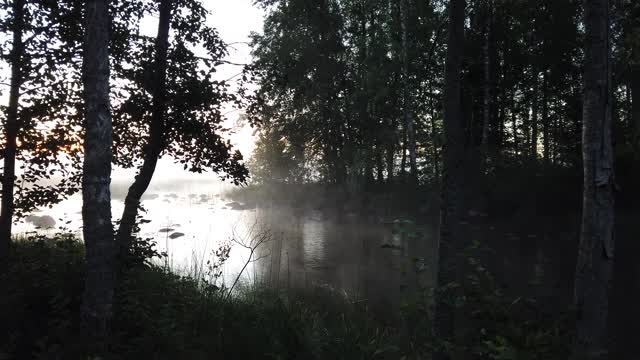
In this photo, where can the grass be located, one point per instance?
(161, 315)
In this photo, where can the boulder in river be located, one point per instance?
(43, 222)
(150, 196)
(176, 235)
(238, 206)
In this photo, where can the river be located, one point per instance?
(366, 259)
(380, 261)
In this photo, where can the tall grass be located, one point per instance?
(162, 315)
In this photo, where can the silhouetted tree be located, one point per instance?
(181, 117)
(11, 128)
(633, 40)
(156, 131)
(406, 93)
(596, 250)
(47, 104)
(451, 236)
(97, 306)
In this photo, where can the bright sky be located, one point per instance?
(234, 20)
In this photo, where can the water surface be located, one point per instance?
(373, 259)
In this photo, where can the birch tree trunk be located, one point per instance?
(96, 197)
(11, 131)
(453, 173)
(596, 249)
(155, 144)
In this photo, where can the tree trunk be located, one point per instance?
(629, 108)
(635, 79)
(555, 131)
(403, 161)
(546, 136)
(390, 161)
(487, 86)
(406, 92)
(635, 106)
(501, 101)
(596, 249)
(434, 140)
(96, 197)
(534, 116)
(11, 130)
(526, 129)
(514, 123)
(379, 165)
(451, 237)
(155, 145)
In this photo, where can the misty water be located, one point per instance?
(370, 259)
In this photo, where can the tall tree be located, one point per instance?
(43, 119)
(451, 236)
(487, 85)
(180, 118)
(634, 41)
(635, 100)
(596, 249)
(154, 147)
(409, 125)
(96, 197)
(546, 126)
(11, 129)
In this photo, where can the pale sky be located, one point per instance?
(234, 20)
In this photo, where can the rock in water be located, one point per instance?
(176, 235)
(43, 222)
(150, 197)
(238, 206)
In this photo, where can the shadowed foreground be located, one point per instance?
(160, 315)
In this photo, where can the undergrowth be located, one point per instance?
(162, 315)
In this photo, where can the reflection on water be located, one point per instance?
(313, 242)
(367, 258)
(348, 253)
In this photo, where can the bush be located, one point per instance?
(161, 315)
(498, 326)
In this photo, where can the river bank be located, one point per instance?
(162, 315)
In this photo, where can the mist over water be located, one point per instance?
(190, 217)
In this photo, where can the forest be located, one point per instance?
(426, 179)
